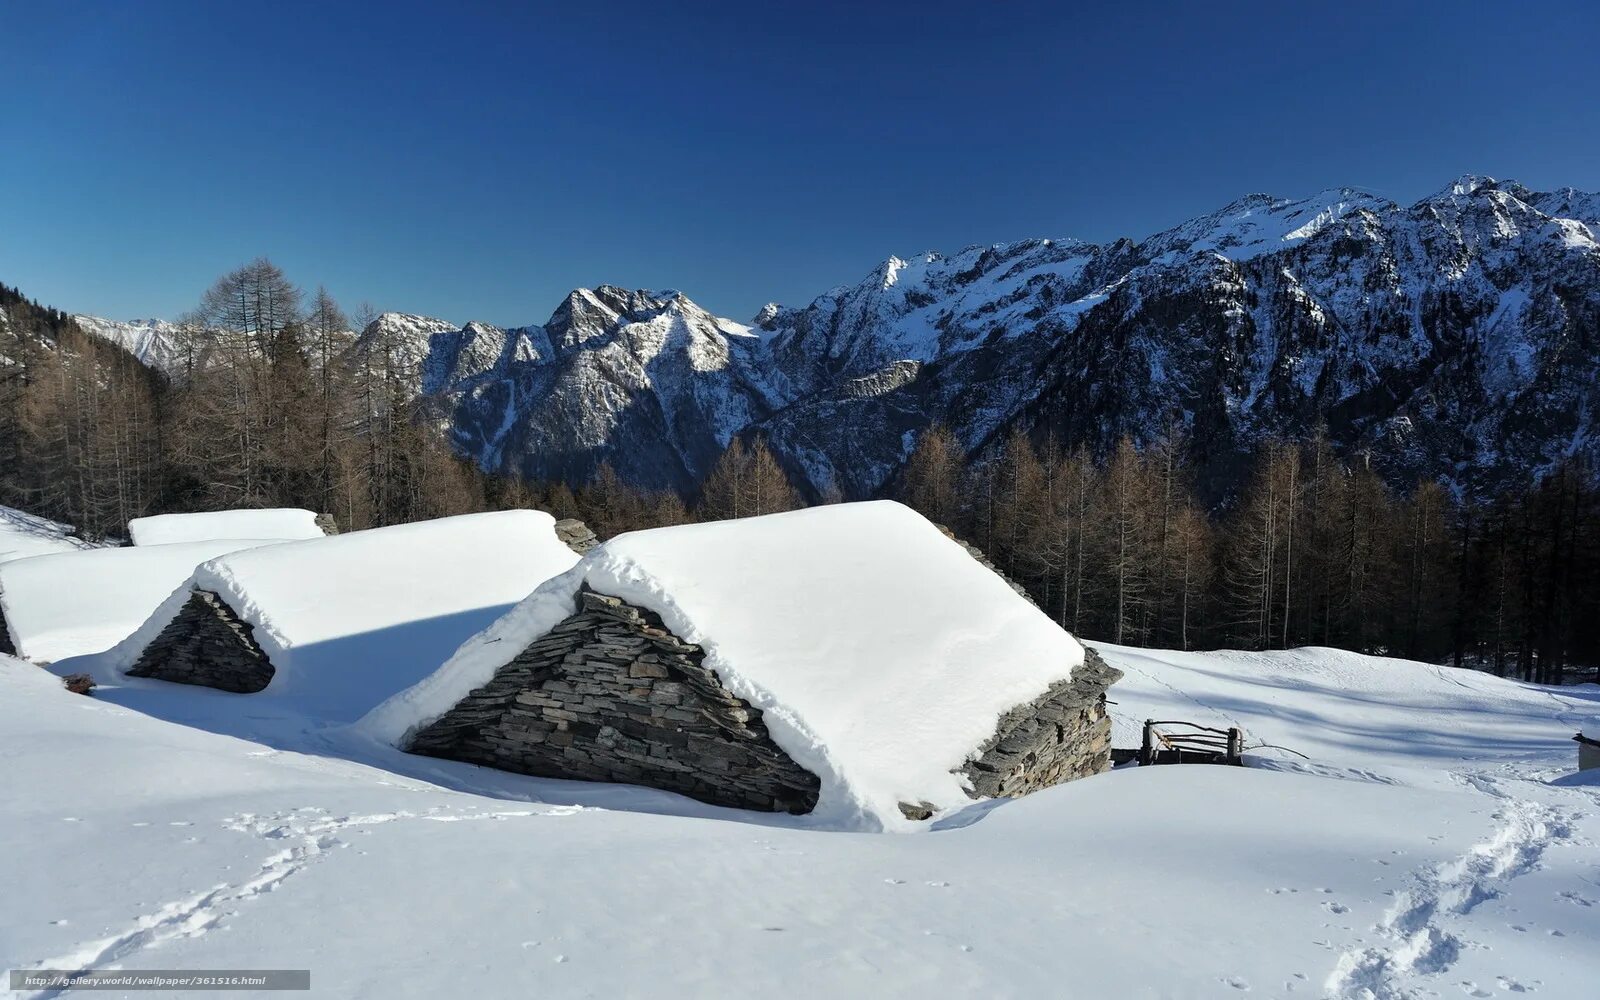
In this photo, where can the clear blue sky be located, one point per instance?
(477, 161)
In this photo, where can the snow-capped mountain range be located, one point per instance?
(1456, 337)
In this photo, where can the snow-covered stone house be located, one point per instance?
(335, 625)
(277, 523)
(81, 602)
(848, 660)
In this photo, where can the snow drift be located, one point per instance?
(77, 603)
(282, 523)
(348, 620)
(881, 653)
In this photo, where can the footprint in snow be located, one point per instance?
(1471, 989)
(894, 881)
(1336, 907)
(939, 885)
(1237, 982)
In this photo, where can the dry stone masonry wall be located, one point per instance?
(1061, 735)
(611, 695)
(206, 644)
(575, 535)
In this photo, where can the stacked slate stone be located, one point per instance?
(611, 695)
(575, 535)
(1061, 735)
(206, 644)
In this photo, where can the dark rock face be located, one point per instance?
(206, 644)
(611, 695)
(6, 645)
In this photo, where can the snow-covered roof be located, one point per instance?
(350, 619)
(282, 523)
(77, 603)
(880, 652)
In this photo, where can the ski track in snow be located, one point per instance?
(312, 835)
(1425, 931)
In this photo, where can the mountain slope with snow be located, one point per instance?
(153, 341)
(1455, 338)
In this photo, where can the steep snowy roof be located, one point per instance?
(350, 619)
(283, 523)
(881, 653)
(77, 603)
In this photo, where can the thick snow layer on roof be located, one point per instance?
(881, 653)
(77, 603)
(23, 535)
(350, 619)
(284, 523)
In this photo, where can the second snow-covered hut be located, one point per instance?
(334, 625)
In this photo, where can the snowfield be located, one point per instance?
(1434, 844)
(82, 602)
(896, 665)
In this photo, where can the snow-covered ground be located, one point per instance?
(23, 535)
(1435, 844)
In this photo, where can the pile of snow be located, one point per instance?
(282, 523)
(881, 653)
(349, 620)
(78, 603)
(23, 535)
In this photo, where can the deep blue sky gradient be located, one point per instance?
(476, 161)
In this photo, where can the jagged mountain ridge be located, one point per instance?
(1455, 337)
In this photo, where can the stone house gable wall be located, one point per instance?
(611, 695)
(206, 644)
(1061, 735)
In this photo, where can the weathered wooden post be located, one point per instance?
(1235, 745)
(1147, 752)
